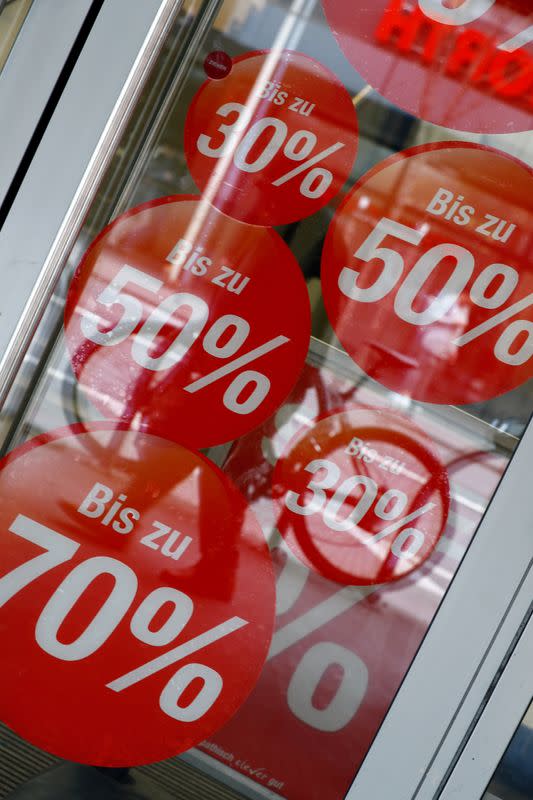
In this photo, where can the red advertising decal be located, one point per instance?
(427, 276)
(266, 144)
(464, 64)
(186, 323)
(362, 497)
(339, 653)
(133, 573)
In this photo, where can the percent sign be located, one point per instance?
(243, 142)
(223, 339)
(491, 289)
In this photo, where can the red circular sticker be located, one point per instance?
(267, 145)
(363, 498)
(427, 276)
(465, 64)
(136, 596)
(186, 323)
(218, 65)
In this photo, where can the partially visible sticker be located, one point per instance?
(340, 653)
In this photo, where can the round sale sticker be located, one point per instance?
(186, 323)
(427, 276)
(136, 596)
(273, 141)
(465, 64)
(362, 497)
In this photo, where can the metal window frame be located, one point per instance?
(30, 74)
(467, 643)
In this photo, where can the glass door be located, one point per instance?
(283, 374)
(32, 76)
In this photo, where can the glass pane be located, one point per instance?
(513, 779)
(12, 15)
(367, 455)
